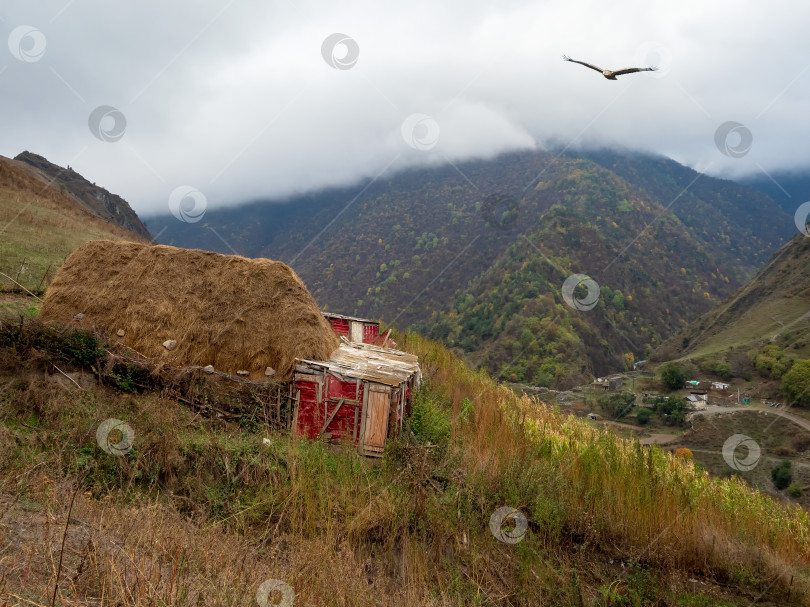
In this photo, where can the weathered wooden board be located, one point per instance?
(376, 427)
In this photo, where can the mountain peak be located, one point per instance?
(94, 198)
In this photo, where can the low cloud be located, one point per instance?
(240, 103)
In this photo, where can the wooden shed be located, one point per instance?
(361, 395)
(357, 330)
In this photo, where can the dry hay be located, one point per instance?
(228, 311)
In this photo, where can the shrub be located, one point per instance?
(430, 420)
(781, 475)
(617, 405)
(684, 453)
(80, 347)
(741, 366)
(794, 490)
(672, 410)
(672, 376)
(643, 416)
(796, 383)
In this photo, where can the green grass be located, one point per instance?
(756, 326)
(39, 232)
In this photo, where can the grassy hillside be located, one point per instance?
(416, 246)
(40, 226)
(93, 197)
(769, 317)
(201, 511)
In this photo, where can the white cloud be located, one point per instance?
(236, 100)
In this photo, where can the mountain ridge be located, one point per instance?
(407, 246)
(98, 200)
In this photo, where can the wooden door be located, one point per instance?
(356, 334)
(376, 419)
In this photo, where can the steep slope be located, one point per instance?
(417, 243)
(41, 225)
(788, 190)
(773, 308)
(718, 211)
(108, 206)
(489, 498)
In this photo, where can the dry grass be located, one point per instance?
(224, 310)
(648, 504)
(40, 226)
(201, 512)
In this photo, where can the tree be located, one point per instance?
(617, 405)
(794, 490)
(672, 376)
(781, 475)
(643, 416)
(796, 383)
(684, 453)
(628, 359)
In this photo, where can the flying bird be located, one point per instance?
(611, 75)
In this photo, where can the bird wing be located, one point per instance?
(593, 67)
(633, 70)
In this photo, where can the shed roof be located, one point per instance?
(363, 320)
(366, 361)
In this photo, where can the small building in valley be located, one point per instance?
(697, 399)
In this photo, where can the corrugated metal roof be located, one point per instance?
(366, 361)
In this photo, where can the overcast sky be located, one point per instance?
(251, 99)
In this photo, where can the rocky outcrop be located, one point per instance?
(96, 199)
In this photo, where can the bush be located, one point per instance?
(796, 383)
(671, 410)
(673, 377)
(430, 419)
(781, 475)
(794, 490)
(643, 416)
(617, 405)
(684, 453)
(80, 347)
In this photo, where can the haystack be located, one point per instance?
(223, 310)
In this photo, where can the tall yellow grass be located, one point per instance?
(201, 512)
